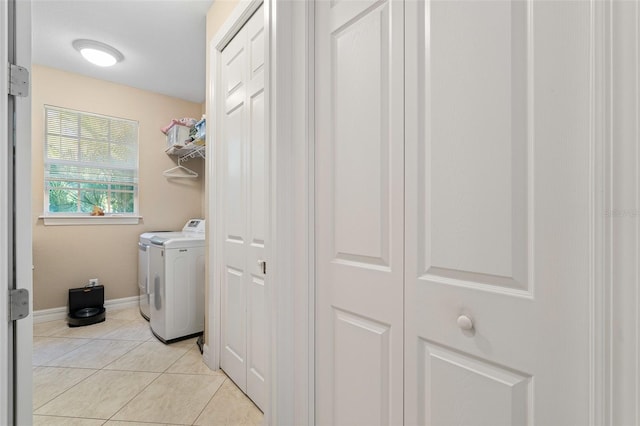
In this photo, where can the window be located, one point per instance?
(91, 161)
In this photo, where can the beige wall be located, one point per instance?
(218, 14)
(216, 17)
(67, 256)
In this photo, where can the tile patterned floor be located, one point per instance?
(117, 373)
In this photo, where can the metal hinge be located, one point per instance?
(18, 80)
(18, 304)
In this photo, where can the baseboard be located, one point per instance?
(53, 314)
(206, 357)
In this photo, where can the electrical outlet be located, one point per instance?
(93, 282)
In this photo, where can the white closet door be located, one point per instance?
(359, 212)
(234, 207)
(243, 194)
(257, 213)
(498, 218)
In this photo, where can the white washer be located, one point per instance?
(143, 266)
(143, 273)
(176, 284)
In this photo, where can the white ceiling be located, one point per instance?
(163, 41)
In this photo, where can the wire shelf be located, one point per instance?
(186, 153)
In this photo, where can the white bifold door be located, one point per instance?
(359, 212)
(453, 208)
(242, 198)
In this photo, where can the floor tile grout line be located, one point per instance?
(66, 390)
(150, 383)
(70, 417)
(60, 366)
(187, 347)
(135, 396)
(125, 404)
(98, 368)
(65, 354)
(62, 337)
(108, 364)
(71, 350)
(141, 343)
(95, 370)
(209, 401)
(174, 362)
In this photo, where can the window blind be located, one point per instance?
(90, 160)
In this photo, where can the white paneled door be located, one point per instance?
(453, 212)
(243, 193)
(498, 187)
(359, 212)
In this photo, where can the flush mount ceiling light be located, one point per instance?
(97, 53)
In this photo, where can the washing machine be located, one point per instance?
(144, 242)
(143, 273)
(176, 282)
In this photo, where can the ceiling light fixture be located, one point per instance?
(97, 53)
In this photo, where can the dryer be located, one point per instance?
(176, 284)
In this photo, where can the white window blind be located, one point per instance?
(91, 161)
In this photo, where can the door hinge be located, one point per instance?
(18, 80)
(18, 304)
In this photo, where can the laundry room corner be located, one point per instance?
(68, 256)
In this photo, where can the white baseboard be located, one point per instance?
(53, 314)
(207, 358)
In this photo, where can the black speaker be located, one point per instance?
(86, 306)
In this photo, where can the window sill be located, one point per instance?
(90, 220)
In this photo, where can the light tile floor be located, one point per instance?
(117, 373)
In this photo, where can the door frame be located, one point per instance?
(617, 193)
(23, 366)
(599, 311)
(5, 374)
(15, 360)
(289, 254)
(292, 315)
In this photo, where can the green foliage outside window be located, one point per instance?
(90, 161)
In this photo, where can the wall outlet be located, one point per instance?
(93, 282)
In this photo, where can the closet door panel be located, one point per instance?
(256, 215)
(476, 138)
(360, 140)
(359, 212)
(233, 192)
(497, 217)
